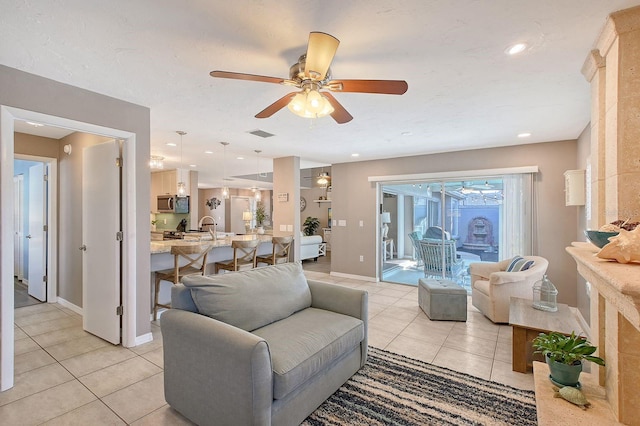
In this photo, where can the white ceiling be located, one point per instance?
(464, 91)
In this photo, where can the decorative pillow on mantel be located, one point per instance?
(519, 263)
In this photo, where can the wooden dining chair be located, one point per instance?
(244, 256)
(280, 253)
(196, 261)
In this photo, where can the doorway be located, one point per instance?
(31, 223)
(128, 312)
(439, 226)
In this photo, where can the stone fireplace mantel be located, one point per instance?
(615, 327)
(618, 283)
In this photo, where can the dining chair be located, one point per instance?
(280, 253)
(195, 256)
(244, 256)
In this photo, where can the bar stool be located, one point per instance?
(280, 254)
(196, 257)
(244, 256)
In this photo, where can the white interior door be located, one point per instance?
(18, 227)
(36, 237)
(101, 249)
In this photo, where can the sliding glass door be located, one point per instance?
(437, 228)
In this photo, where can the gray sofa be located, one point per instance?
(260, 347)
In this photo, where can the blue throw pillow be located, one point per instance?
(519, 263)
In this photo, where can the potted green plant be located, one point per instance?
(564, 355)
(311, 224)
(260, 217)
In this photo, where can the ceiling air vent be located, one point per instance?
(261, 133)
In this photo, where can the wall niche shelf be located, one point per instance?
(321, 201)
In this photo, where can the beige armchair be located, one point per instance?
(492, 286)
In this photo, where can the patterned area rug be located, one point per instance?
(394, 390)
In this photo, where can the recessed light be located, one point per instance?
(239, 158)
(524, 135)
(35, 124)
(355, 154)
(192, 165)
(516, 48)
(208, 152)
(171, 144)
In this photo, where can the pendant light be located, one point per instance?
(225, 188)
(257, 195)
(156, 162)
(182, 187)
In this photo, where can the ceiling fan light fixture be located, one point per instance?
(310, 103)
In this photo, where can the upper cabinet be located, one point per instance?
(166, 183)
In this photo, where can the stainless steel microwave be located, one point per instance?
(173, 204)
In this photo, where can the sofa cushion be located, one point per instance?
(306, 343)
(251, 299)
(518, 264)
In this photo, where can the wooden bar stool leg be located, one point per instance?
(155, 299)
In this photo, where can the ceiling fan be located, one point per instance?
(311, 74)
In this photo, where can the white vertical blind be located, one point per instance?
(517, 216)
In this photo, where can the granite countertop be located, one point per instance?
(205, 238)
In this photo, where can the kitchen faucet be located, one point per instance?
(201, 223)
(213, 232)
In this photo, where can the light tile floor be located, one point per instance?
(67, 376)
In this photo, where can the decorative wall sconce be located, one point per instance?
(67, 149)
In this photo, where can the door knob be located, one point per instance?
(28, 236)
(83, 247)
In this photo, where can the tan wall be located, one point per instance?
(354, 199)
(35, 145)
(70, 215)
(33, 93)
(319, 210)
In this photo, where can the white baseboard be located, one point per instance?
(69, 305)
(354, 277)
(145, 338)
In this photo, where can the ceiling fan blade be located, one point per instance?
(276, 106)
(320, 52)
(339, 114)
(388, 87)
(250, 77)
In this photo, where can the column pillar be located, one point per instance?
(286, 200)
(594, 71)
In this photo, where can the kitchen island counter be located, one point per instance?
(197, 238)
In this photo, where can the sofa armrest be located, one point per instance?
(498, 278)
(483, 270)
(209, 363)
(342, 300)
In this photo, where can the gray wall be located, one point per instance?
(34, 93)
(354, 199)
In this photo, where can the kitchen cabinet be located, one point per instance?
(166, 183)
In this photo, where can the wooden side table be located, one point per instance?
(528, 322)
